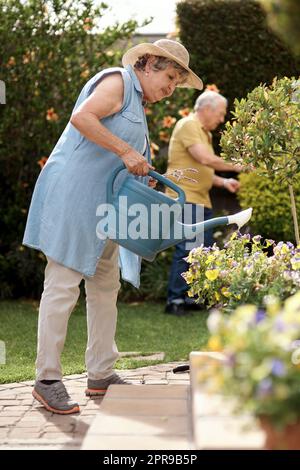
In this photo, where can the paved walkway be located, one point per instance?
(25, 424)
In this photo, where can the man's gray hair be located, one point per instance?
(209, 98)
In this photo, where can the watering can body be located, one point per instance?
(146, 221)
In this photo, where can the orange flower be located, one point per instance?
(11, 62)
(42, 161)
(212, 87)
(51, 115)
(168, 121)
(184, 112)
(88, 23)
(164, 137)
(85, 73)
(148, 111)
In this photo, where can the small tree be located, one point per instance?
(265, 133)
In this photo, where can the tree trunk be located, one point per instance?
(294, 213)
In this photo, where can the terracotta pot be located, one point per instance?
(287, 438)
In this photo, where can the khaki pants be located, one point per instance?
(61, 292)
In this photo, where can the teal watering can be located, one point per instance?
(146, 221)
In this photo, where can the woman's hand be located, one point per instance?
(135, 163)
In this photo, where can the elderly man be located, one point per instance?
(191, 147)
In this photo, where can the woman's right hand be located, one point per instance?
(136, 163)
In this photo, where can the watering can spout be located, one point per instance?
(191, 230)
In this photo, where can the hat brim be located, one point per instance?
(131, 56)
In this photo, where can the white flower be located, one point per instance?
(214, 321)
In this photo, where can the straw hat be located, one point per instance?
(165, 48)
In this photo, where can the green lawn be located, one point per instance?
(141, 327)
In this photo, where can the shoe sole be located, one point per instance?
(90, 392)
(75, 409)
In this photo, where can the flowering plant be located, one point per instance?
(237, 274)
(262, 358)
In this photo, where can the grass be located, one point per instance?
(141, 327)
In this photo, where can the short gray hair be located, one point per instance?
(209, 98)
(161, 63)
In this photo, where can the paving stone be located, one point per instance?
(28, 401)
(11, 412)
(138, 425)
(25, 423)
(61, 437)
(137, 407)
(5, 402)
(149, 391)
(135, 443)
(19, 433)
(8, 421)
(155, 382)
(17, 408)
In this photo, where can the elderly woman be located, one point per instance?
(107, 127)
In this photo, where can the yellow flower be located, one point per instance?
(214, 343)
(295, 264)
(189, 277)
(284, 249)
(226, 292)
(212, 274)
(217, 296)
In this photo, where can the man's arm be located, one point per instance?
(203, 155)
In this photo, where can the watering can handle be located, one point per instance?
(170, 184)
(153, 174)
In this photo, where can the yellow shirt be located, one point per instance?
(189, 131)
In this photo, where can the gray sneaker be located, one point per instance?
(99, 387)
(55, 398)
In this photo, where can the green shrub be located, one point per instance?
(231, 45)
(48, 50)
(272, 217)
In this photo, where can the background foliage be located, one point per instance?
(232, 46)
(272, 217)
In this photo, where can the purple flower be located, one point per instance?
(264, 388)
(290, 245)
(257, 238)
(279, 324)
(230, 360)
(278, 368)
(259, 316)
